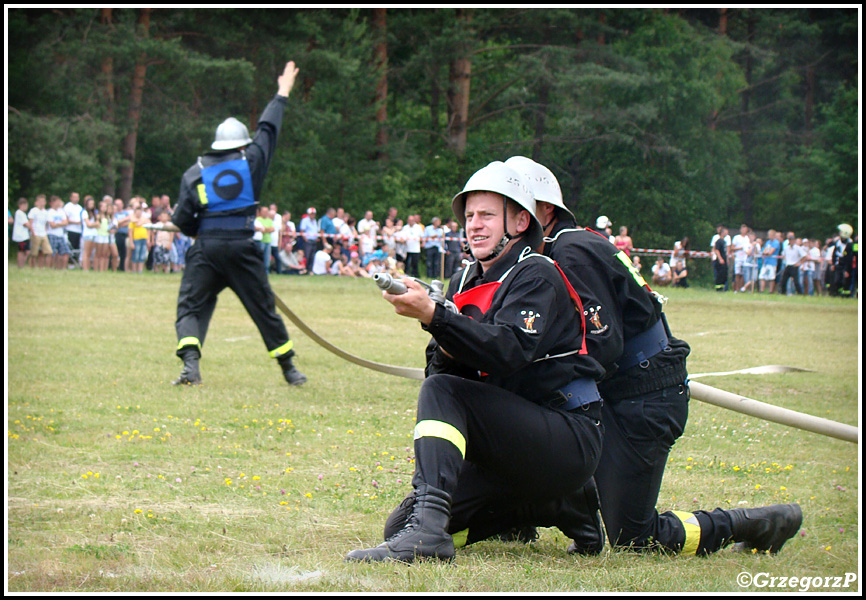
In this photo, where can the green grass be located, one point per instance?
(119, 482)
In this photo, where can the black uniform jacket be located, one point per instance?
(618, 306)
(843, 255)
(189, 211)
(529, 339)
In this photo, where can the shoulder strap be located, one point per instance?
(578, 304)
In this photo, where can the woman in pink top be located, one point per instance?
(623, 241)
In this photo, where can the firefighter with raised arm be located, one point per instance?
(646, 395)
(509, 411)
(217, 204)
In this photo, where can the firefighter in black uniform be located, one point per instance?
(645, 394)
(217, 205)
(842, 265)
(508, 413)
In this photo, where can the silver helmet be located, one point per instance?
(542, 181)
(499, 178)
(230, 134)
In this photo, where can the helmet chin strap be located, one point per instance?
(553, 219)
(499, 247)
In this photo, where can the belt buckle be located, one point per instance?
(559, 400)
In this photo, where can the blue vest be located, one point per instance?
(226, 186)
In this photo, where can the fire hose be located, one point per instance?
(699, 391)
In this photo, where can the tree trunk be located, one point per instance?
(459, 78)
(810, 105)
(435, 93)
(253, 115)
(602, 21)
(540, 119)
(746, 139)
(571, 195)
(308, 78)
(723, 31)
(380, 32)
(127, 169)
(109, 182)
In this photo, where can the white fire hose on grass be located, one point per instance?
(699, 391)
(768, 412)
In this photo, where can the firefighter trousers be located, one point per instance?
(211, 266)
(639, 434)
(495, 451)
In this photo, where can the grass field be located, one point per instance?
(119, 482)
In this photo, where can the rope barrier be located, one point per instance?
(446, 238)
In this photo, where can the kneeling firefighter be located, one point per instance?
(509, 412)
(646, 398)
(217, 205)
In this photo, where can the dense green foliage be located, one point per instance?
(666, 121)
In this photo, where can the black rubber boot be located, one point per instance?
(190, 374)
(292, 375)
(423, 536)
(576, 515)
(765, 528)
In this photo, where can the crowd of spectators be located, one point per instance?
(750, 262)
(784, 263)
(97, 236)
(113, 235)
(339, 244)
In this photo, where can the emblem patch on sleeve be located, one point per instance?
(529, 320)
(592, 314)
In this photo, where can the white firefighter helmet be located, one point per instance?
(603, 222)
(846, 231)
(541, 180)
(230, 134)
(499, 178)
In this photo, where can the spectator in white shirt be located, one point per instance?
(21, 232)
(309, 229)
(367, 230)
(739, 248)
(276, 239)
(89, 227)
(661, 273)
(794, 256)
(348, 235)
(73, 212)
(434, 247)
(40, 249)
(290, 233)
(411, 235)
(809, 268)
(322, 261)
(56, 230)
(750, 266)
(338, 219)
